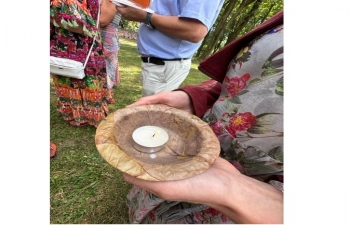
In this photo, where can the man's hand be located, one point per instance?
(176, 99)
(132, 14)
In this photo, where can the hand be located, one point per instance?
(197, 189)
(131, 13)
(223, 187)
(176, 99)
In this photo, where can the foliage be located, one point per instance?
(129, 25)
(236, 18)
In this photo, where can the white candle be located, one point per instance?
(149, 138)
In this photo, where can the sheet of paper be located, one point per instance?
(131, 4)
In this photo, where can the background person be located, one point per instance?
(168, 38)
(243, 104)
(111, 46)
(83, 101)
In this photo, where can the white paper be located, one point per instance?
(131, 4)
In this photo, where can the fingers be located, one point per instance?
(128, 178)
(147, 185)
(144, 101)
(159, 98)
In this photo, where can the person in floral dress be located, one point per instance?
(72, 28)
(243, 104)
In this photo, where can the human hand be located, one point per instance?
(176, 99)
(241, 198)
(197, 189)
(131, 13)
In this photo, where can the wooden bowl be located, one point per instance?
(191, 149)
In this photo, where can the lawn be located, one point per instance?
(84, 188)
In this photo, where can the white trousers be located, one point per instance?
(157, 78)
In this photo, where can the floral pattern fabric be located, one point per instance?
(248, 120)
(80, 101)
(248, 116)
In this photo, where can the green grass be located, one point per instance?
(84, 188)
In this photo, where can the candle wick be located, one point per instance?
(154, 134)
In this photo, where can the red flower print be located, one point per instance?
(236, 84)
(152, 216)
(198, 216)
(212, 211)
(71, 47)
(224, 218)
(240, 121)
(216, 127)
(231, 131)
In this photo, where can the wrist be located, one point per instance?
(148, 20)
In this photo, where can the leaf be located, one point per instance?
(267, 115)
(75, 24)
(279, 87)
(242, 92)
(276, 153)
(259, 130)
(279, 91)
(52, 12)
(69, 23)
(64, 23)
(261, 122)
(254, 81)
(276, 63)
(235, 100)
(270, 72)
(263, 168)
(275, 53)
(55, 24)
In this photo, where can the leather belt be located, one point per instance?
(158, 61)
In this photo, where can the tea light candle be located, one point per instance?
(149, 139)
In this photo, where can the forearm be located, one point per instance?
(222, 187)
(108, 12)
(181, 28)
(251, 201)
(177, 27)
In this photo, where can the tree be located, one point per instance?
(236, 18)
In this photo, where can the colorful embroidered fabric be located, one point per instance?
(79, 101)
(248, 120)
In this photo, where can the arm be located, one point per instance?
(177, 27)
(176, 99)
(239, 197)
(107, 13)
(195, 99)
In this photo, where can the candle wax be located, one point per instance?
(150, 136)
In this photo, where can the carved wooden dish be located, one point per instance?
(191, 149)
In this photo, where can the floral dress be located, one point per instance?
(248, 121)
(80, 101)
